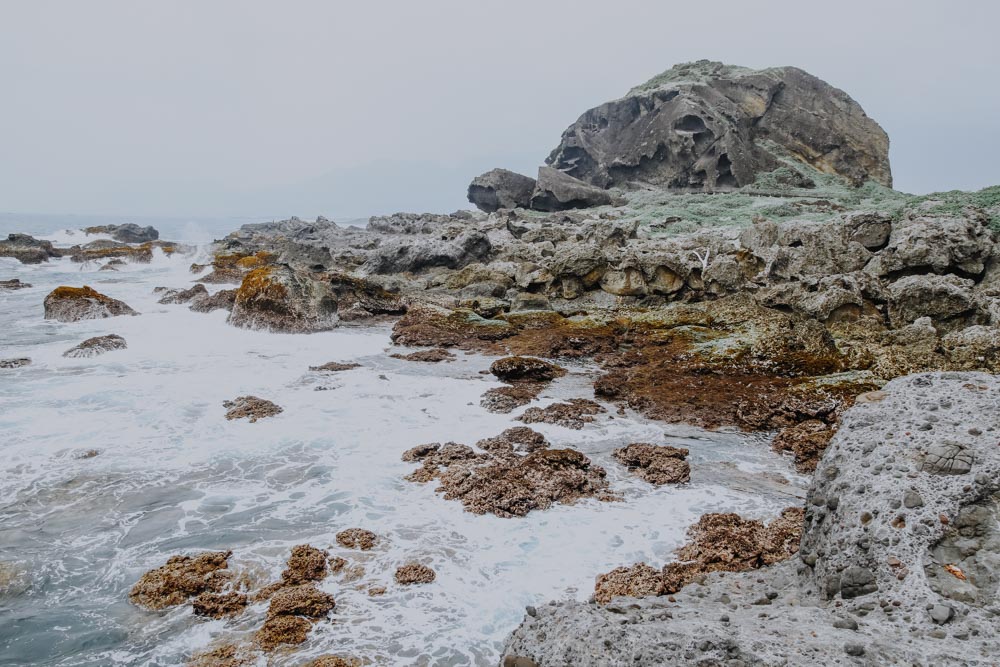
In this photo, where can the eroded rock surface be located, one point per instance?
(357, 538)
(503, 482)
(251, 408)
(71, 304)
(896, 563)
(706, 125)
(98, 345)
(182, 578)
(657, 464)
(414, 573)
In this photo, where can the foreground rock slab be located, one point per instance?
(897, 563)
(71, 304)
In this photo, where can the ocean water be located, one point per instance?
(173, 476)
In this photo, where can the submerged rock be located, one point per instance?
(93, 347)
(251, 407)
(334, 661)
(433, 356)
(357, 538)
(225, 655)
(335, 367)
(14, 363)
(13, 284)
(520, 439)
(414, 573)
(657, 464)
(182, 578)
(301, 600)
(71, 304)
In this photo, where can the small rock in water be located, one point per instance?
(525, 369)
(13, 284)
(414, 573)
(93, 347)
(431, 356)
(15, 363)
(251, 407)
(657, 464)
(574, 413)
(357, 538)
(334, 367)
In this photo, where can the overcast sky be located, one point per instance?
(306, 107)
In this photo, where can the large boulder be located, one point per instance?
(715, 127)
(558, 191)
(70, 304)
(500, 188)
(27, 249)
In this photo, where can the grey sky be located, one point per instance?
(306, 107)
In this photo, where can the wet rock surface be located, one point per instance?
(574, 413)
(17, 362)
(432, 356)
(357, 538)
(251, 408)
(525, 369)
(503, 482)
(878, 578)
(182, 578)
(98, 345)
(220, 300)
(657, 464)
(414, 573)
(71, 304)
(185, 295)
(334, 367)
(27, 249)
(126, 233)
(13, 284)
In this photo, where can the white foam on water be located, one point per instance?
(174, 476)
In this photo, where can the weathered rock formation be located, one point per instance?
(126, 233)
(657, 464)
(897, 562)
(714, 127)
(71, 304)
(182, 578)
(27, 249)
(98, 345)
(500, 188)
(251, 408)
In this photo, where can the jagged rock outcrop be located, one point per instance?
(27, 249)
(126, 233)
(71, 304)
(715, 127)
(897, 562)
(277, 298)
(500, 188)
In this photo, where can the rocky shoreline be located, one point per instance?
(725, 247)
